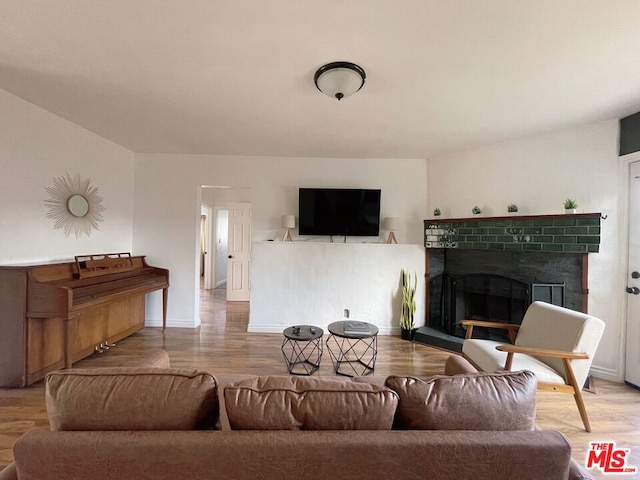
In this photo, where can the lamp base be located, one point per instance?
(287, 236)
(391, 238)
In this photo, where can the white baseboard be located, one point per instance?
(157, 322)
(280, 328)
(606, 374)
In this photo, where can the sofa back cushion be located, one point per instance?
(124, 398)
(474, 401)
(308, 403)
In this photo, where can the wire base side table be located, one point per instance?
(302, 349)
(352, 354)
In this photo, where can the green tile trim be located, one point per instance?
(523, 223)
(595, 222)
(541, 222)
(564, 239)
(556, 233)
(543, 238)
(575, 248)
(589, 240)
(564, 222)
(579, 230)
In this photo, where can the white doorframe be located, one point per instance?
(623, 187)
(209, 257)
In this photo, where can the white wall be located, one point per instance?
(167, 205)
(538, 174)
(36, 146)
(312, 283)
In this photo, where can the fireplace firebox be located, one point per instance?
(488, 297)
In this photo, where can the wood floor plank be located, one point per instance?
(222, 345)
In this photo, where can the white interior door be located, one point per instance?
(632, 368)
(239, 252)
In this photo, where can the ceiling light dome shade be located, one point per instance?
(339, 79)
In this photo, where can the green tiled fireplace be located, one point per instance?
(578, 233)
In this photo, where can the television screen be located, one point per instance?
(339, 211)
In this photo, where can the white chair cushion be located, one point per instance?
(557, 328)
(485, 355)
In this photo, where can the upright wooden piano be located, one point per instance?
(52, 315)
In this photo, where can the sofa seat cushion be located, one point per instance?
(474, 401)
(308, 403)
(129, 398)
(485, 355)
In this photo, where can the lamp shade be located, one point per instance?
(288, 221)
(339, 79)
(391, 223)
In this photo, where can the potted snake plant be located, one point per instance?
(407, 325)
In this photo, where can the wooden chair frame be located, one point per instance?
(571, 386)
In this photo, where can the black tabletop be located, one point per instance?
(338, 328)
(303, 332)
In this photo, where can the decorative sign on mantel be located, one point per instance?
(579, 233)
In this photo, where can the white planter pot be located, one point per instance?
(570, 210)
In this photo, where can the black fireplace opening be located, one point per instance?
(486, 297)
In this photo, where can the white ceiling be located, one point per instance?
(236, 76)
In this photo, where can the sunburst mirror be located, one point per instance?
(75, 205)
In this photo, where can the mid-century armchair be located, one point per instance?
(556, 343)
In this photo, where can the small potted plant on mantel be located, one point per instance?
(570, 206)
(512, 208)
(476, 210)
(407, 325)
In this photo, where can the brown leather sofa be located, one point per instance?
(167, 423)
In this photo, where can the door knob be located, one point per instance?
(635, 275)
(633, 290)
(230, 256)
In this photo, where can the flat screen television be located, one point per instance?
(339, 211)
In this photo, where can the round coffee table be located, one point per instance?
(352, 352)
(302, 349)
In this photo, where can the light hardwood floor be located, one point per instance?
(222, 344)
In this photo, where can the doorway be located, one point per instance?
(219, 227)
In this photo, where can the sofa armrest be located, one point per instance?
(457, 364)
(9, 472)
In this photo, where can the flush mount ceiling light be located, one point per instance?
(339, 79)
